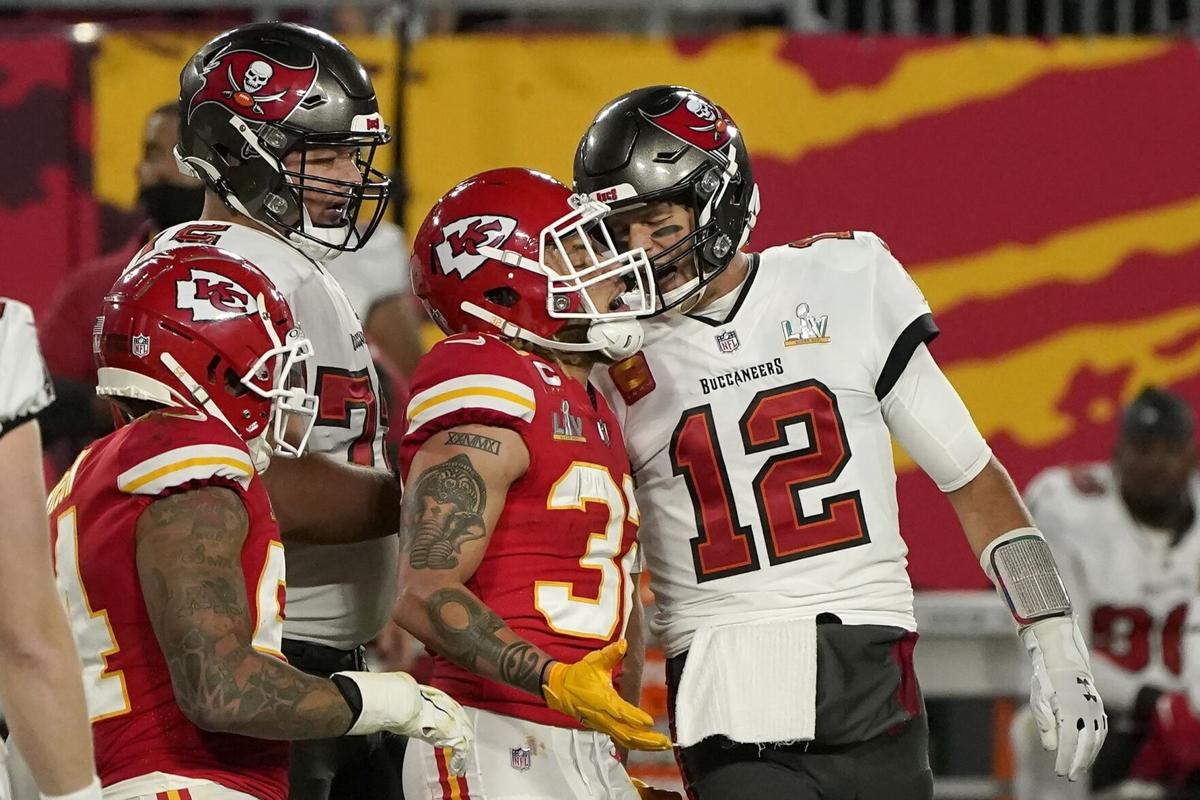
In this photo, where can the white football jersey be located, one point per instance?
(337, 595)
(24, 381)
(1129, 585)
(763, 463)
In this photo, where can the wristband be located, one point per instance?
(549, 662)
(1022, 568)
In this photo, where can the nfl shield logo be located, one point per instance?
(727, 342)
(522, 758)
(140, 345)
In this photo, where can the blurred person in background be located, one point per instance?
(40, 685)
(375, 279)
(1125, 537)
(282, 123)
(166, 197)
(168, 552)
(759, 417)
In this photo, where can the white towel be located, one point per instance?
(752, 682)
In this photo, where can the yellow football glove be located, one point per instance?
(650, 793)
(584, 690)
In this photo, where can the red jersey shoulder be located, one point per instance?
(165, 449)
(474, 379)
(468, 354)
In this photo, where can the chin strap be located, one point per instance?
(616, 340)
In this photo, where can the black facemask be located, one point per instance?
(168, 204)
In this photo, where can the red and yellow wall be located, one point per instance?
(1046, 196)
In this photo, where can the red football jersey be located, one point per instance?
(136, 724)
(557, 568)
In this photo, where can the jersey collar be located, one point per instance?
(743, 293)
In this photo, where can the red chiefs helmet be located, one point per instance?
(201, 328)
(514, 251)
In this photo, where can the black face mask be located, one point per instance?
(168, 204)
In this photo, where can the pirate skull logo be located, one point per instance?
(701, 108)
(695, 120)
(257, 75)
(254, 85)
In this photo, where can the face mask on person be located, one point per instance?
(169, 204)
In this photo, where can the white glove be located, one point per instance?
(1066, 706)
(394, 701)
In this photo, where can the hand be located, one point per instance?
(443, 723)
(584, 690)
(1066, 706)
(650, 793)
(394, 701)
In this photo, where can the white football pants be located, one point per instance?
(515, 759)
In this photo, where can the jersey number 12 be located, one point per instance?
(724, 546)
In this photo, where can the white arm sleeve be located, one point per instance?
(930, 422)
(24, 381)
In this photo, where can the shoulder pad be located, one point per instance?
(863, 237)
(473, 375)
(845, 251)
(164, 450)
(809, 241)
(287, 267)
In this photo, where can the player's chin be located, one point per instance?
(328, 216)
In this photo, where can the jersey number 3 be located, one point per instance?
(724, 546)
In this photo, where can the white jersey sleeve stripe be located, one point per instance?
(183, 464)
(492, 392)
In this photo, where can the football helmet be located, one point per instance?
(671, 143)
(513, 251)
(198, 327)
(256, 93)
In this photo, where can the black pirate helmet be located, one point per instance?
(259, 92)
(671, 143)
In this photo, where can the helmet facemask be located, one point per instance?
(293, 409)
(584, 255)
(576, 253)
(371, 192)
(705, 249)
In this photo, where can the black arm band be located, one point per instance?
(545, 669)
(351, 693)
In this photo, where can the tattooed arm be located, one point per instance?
(453, 497)
(189, 561)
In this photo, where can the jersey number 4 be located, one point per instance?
(103, 681)
(724, 546)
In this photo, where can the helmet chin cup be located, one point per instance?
(260, 453)
(617, 340)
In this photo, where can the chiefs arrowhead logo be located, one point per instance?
(212, 297)
(254, 86)
(695, 121)
(459, 249)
